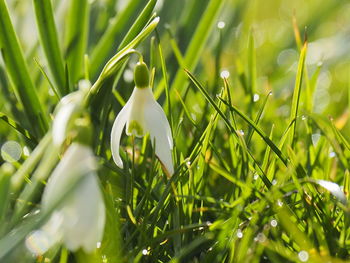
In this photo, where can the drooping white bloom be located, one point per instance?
(142, 114)
(78, 222)
(69, 106)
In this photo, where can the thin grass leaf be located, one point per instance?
(141, 22)
(49, 41)
(260, 132)
(76, 37)
(18, 128)
(258, 117)
(251, 66)
(197, 43)
(296, 95)
(107, 42)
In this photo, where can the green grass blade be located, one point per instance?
(259, 131)
(107, 42)
(165, 77)
(251, 66)
(198, 41)
(49, 41)
(258, 117)
(296, 95)
(18, 128)
(19, 75)
(139, 24)
(76, 38)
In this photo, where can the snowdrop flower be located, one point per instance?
(78, 222)
(142, 114)
(69, 107)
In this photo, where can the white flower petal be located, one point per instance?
(160, 133)
(117, 130)
(84, 216)
(78, 160)
(60, 123)
(140, 97)
(79, 220)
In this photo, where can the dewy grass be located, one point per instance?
(260, 156)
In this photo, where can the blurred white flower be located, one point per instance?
(78, 222)
(68, 107)
(142, 114)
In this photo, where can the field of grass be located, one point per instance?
(257, 95)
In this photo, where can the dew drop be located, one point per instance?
(239, 233)
(256, 97)
(303, 256)
(261, 238)
(221, 24)
(241, 132)
(11, 151)
(279, 203)
(224, 74)
(273, 222)
(332, 154)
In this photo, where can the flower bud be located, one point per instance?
(141, 75)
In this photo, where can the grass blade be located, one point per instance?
(49, 41)
(76, 38)
(197, 43)
(18, 128)
(296, 94)
(106, 43)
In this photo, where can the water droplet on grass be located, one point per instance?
(239, 233)
(303, 256)
(11, 151)
(224, 74)
(273, 223)
(221, 24)
(256, 97)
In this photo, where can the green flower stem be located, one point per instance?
(116, 62)
(31, 190)
(27, 167)
(19, 75)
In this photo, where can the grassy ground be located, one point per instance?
(257, 95)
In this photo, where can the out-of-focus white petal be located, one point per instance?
(160, 134)
(79, 220)
(68, 105)
(39, 241)
(60, 123)
(117, 130)
(77, 161)
(334, 189)
(84, 216)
